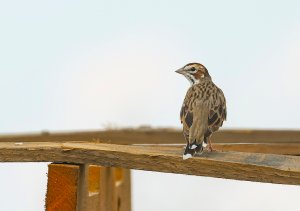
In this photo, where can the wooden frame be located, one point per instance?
(87, 188)
(95, 161)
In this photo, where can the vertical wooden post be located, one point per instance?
(82, 191)
(115, 188)
(94, 188)
(73, 187)
(123, 189)
(62, 187)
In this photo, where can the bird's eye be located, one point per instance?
(193, 69)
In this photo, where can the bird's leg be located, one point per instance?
(210, 146)
(186, 137)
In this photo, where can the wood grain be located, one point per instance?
(84, 187)
(231, 165)
(62, 187)
(122, 189)
(158, 136)
(115, 189)
(82, 190)
(94, 178)
(266, 148)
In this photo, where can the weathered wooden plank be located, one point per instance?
(62, 187)
(158, 136)
(266, 148)
(231, 165)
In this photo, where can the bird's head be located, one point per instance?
(194, 72)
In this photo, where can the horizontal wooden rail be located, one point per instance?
(231, 165)
(158, 136)
(266, 148)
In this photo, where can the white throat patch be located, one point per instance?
(191, 79)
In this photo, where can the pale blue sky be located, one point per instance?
(56, 57)
(79, 65)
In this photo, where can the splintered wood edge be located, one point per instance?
(231, 165)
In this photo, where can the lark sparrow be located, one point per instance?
(203, 110)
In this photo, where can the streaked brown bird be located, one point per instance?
(203, 110)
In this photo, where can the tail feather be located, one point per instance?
(192, 149)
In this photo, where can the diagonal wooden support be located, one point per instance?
(80, 187)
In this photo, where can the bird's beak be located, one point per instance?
(180, 71)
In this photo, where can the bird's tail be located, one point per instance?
(192, 149)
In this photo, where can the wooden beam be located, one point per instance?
(231, 165)
(158, 136)
(266, 148)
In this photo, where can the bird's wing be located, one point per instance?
(217, 110)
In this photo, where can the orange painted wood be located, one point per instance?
(62, 187)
